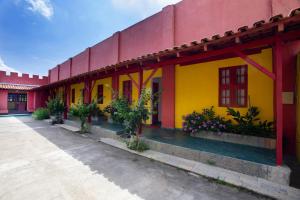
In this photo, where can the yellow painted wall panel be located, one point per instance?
(78, 95)
(107, 91)
(197, 87)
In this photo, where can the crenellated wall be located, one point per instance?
(184, 22)
(13, 77)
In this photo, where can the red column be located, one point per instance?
(3, 101)
(168, 97)
(278, 67)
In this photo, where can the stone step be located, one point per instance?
(258, 185)
(68, 127)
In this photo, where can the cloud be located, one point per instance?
(4, 67)
(142, 7)
(43, 7)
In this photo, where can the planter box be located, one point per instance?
(268, 143)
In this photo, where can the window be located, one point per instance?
(100, 94)
(73, 95)
(233, 86)
(127, 90)
(17, 97)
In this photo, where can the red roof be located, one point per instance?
(10, 86)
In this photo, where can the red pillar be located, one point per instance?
(168, 97)
(3, 101)
(278, 67)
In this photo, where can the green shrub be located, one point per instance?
(250, 124)
(41, 113)
(247, 124)
(83, 111)
(118, 109)
(137, 145)
(56, 108)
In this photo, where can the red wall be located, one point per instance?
(64, 70)
(187, 21)
(23, 79)
(53, 75)
(30, 101)
(3, 101)
(80, 63)
(109, 51)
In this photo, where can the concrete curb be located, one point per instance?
(252, 183)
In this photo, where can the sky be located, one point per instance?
(36, 35)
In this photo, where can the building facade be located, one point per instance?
(16, 94)
(198, 54)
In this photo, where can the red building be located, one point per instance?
(185, 46)
(16, 94)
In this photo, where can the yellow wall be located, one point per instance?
(197, 87)
(298, 109)
(78, 87)
(107, 92)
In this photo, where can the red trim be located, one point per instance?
(255, 64)
(278, 62)
(233, 86)
(204, 55)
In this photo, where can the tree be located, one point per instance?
(83, 112)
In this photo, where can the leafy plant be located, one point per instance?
(137, 114)
(56, 108)
(118, 109)
(83, 112)
(249, 123)
(41, 113)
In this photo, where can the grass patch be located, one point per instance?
(211, 162)
(137, 145)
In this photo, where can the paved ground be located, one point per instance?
(39, 161)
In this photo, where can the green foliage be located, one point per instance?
(247, 124)
(137, 145)
(137, 114)
(118, 109)
(250, 124)
(83, 111)
(41, 113)
(56, 108)
(207, 120)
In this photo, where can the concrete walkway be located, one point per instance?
(39, 161)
